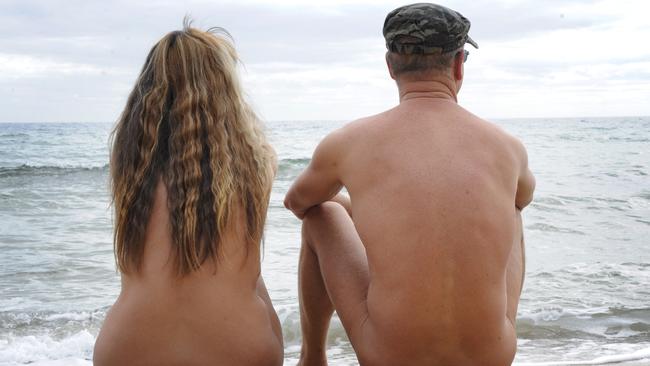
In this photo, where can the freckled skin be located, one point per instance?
(219, 315)
(424, 262)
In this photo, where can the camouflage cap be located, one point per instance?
(426, 28)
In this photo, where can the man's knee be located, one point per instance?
(319, 220)
(323, 214)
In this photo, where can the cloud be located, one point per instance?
(320, 59)
(18, 67)
(303, 26)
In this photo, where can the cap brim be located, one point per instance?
(472, 42)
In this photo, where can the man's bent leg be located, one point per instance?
(316, 309)
(333, 274)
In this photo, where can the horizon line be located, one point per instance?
(344, 120)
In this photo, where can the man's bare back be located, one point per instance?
(424, 263)
(433, 202)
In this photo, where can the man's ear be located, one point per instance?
(459, 66)
(390, 69)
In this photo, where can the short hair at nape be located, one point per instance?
(420, 63)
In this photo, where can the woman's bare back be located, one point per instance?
(218, 315)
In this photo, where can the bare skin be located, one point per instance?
(424, 264)
(219, 315)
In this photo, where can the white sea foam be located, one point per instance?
(61, 362)
(44, 349)
(640, 355)
(74, 316)
(76, 350)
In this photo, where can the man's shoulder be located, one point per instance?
(362, 126)
(505, 139)
(338, 143)
(494, 128)
(497, 134)
(352, 130)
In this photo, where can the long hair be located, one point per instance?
(186, 123)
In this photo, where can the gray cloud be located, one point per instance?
(87, 53)
(115, 31)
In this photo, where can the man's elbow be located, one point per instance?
(291, 203)
(522, 203)
(287, 201)
(525, 190)
(294, 207)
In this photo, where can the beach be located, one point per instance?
(586, 298)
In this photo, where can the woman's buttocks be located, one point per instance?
(190, 324)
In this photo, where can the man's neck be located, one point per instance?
(442, 88)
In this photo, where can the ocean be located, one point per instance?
(586, 298)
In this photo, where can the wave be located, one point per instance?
(604, 299)
(644, 195)
(552, 228)
(640, 355)
(628, 139)
(613, 324)
(532, 325)
(46, 350)
(21, 135)
(290, 168)
(76, 350)
(287, 169)
(67, 338)
(41, 170)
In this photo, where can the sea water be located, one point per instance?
(586, 297)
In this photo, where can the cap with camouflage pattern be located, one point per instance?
(426, 28)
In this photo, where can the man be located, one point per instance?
(424, 262)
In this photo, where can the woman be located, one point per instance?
(191, 177)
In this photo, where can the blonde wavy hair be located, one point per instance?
(186, 123)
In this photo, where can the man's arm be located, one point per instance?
(526, 181)
(319, 182)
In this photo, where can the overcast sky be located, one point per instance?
(76, 60)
